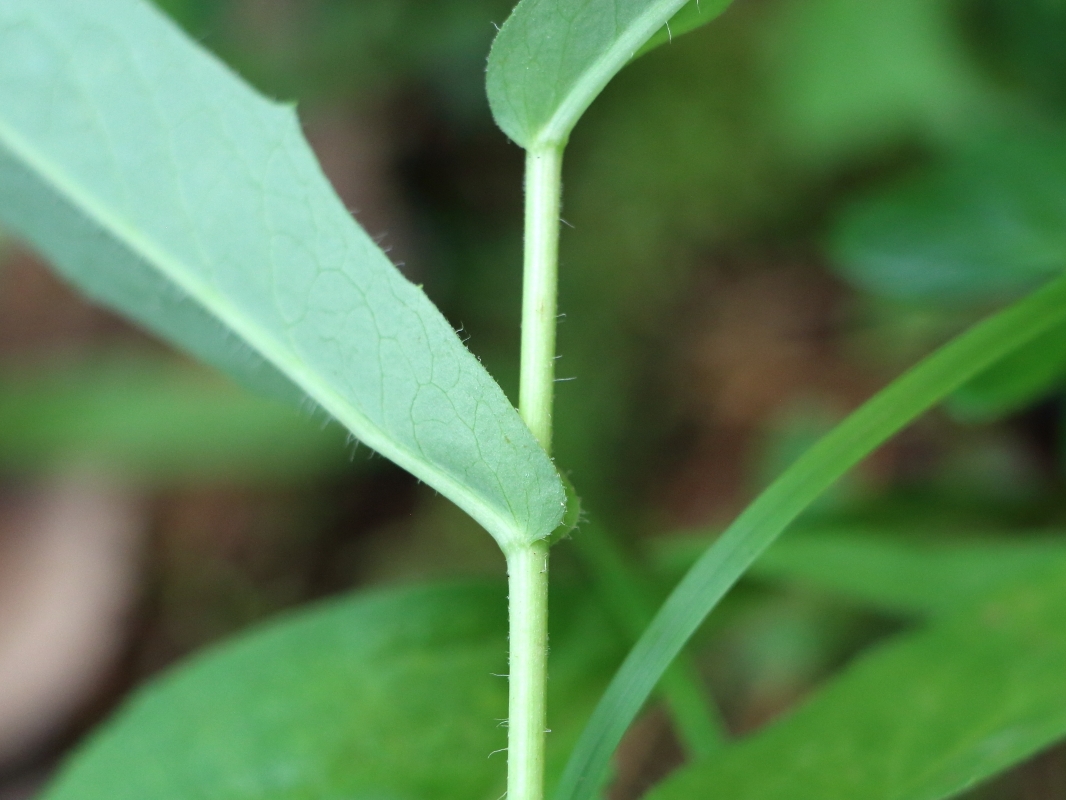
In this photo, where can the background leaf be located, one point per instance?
(390, 694)
(923, 577)
(164, 187)
(987, 221)
(849, 80)
(918, 719)
(150, 420)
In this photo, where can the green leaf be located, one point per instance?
(910, 577)
(391, 694)
(164, 187)
(763, 521)
(553, 57)
(695, 14)
(922, 718)
(1016, 382)
(151, 420)
(988, 221)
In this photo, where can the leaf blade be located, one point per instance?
(341, 699)
(691, 16)
(551, 60)
(164, 187)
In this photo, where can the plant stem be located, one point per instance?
(527, 567)
(527, 573)
(539, 289)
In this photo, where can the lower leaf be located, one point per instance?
(925, 717)
(394, 694)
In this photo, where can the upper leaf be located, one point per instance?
(166, 188)
(553, 57)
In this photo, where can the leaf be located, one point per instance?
(921, 718)
(164, 187)
(763, 521)
(1016, 382)
(923, 577)
(553, 57)
(388, 694)
(152, 420)
(694, 14)
(988, 221)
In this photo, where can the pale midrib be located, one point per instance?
(260, 340)
(556, 130)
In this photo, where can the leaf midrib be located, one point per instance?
(256, 336)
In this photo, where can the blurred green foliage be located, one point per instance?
(155, 422)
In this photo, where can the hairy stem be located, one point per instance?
(527, 573)
(527, 567)
(540, 285)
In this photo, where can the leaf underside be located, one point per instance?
(164, 187)
(695, 14)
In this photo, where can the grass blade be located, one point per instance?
(166, 188)
(628, 597)
(763, 521)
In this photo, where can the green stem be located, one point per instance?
(527, 567)
(540, 286)
(527, 574)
